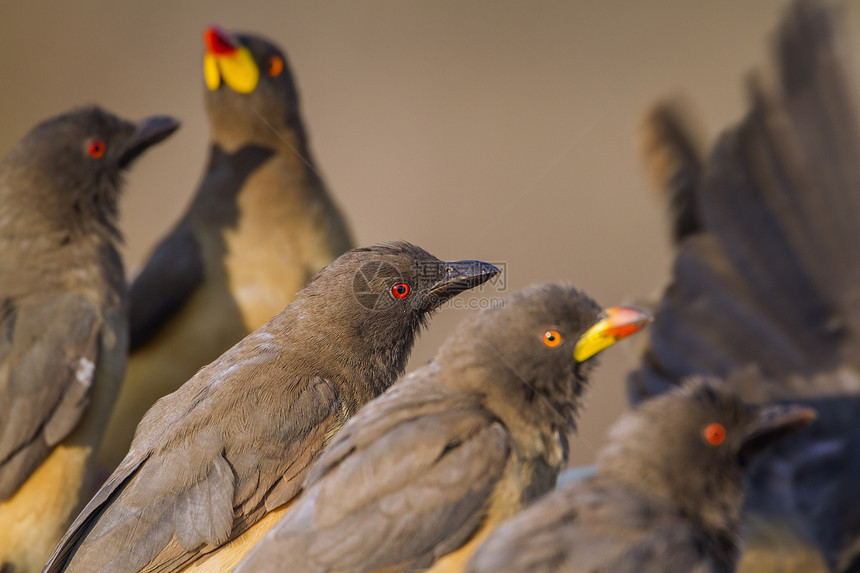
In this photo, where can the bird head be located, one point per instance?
(691, 446)
(250, 93)
(538, 347)
(377, 298)
(68, 168)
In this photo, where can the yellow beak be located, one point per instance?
(228, 60)
(619, 323)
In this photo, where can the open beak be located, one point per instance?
(458, 276)
(149, 131)
(228, 60)
(771, 423)
(620, 322)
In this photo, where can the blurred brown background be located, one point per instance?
(504, 131)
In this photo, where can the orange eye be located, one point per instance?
(551, 338)
(400, 290)
(715, 434)
(276, 66)
(97, 148)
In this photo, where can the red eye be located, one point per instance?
(97, 148)
(715, 434)
(276, 66)
(400, 290)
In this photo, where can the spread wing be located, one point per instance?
(405, 482)
(206, 463)
(582, 529)
(168, 279)
(769, 286)
(49, 350)
(674, 161)
(772, 278)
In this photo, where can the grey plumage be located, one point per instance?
(452, 449)
(235, 441)
(63, 315)
(768, 288)
(664, 498)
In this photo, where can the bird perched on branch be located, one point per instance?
(667, 494)
(233, 444)
(261, 223)
(765, 282)
(422, 473)
(63, 317)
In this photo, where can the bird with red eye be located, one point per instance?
(659, 498)
(64, 317)
(715, 433)
(96, 148)
(400, 290)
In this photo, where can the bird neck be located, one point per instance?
(276, 191)
(45, 215)
(227, 175)
(290, 141)
(359, 356)
(540, 420)
(87, 264)
(711, 497)
(275, 177)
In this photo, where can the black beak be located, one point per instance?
(772, 423)
(457, 277)
(149, 131)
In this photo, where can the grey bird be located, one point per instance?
(426, 470)
(63, 317)
(765, 285)
(260, 224)
(667, 494)
(233, 444)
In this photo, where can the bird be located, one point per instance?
(764, 289)
(261, 223)
(666, 496)
(214, 464)
(63, 316)
(422, 473)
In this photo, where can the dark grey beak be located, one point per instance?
(771, 424)
(457, 277)
(150, 131)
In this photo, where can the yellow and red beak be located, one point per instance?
(228, 60)
(619, 323)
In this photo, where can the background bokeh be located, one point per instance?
(503, 131)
